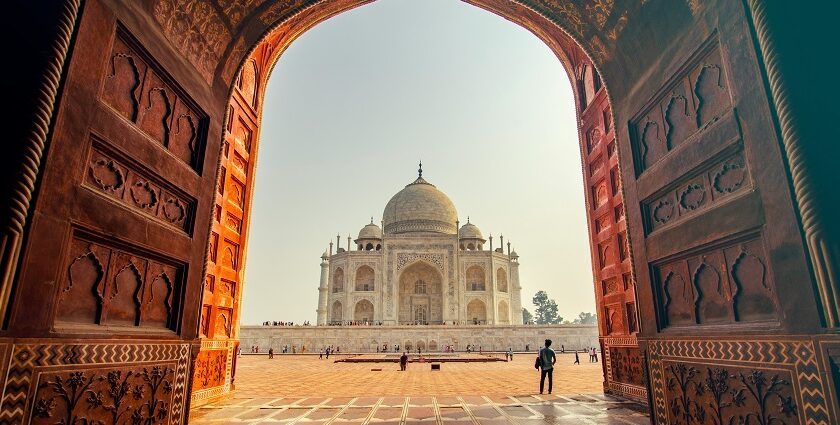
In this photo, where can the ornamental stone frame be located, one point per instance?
(698, 129)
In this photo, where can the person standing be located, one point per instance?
(546, 363)
(577, 359)
(592, 357)
(403, 361)
(321, 354)
(271, 353)
(509, 354)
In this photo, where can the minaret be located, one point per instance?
(322, 290)
(515, 290)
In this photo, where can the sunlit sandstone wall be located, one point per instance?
(428, 338)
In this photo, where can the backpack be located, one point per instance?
(537, 362)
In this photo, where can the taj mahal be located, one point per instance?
(420, 280)
(420, 268)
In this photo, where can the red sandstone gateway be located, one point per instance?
(715, 263)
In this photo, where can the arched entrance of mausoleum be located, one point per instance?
(421, 295)
(145, 189)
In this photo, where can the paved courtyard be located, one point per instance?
(306, 390)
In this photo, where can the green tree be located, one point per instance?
(546, 312)
(527, 317)
(585, 319)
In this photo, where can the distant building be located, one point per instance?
(422, 269)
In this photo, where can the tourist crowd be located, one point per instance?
(274, 323)
(354, 323)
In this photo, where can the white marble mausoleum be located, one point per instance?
(420, 268)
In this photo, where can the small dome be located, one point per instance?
(420, 207)
(470, 231)
(370, 231)
(513, 254)
(324, 256)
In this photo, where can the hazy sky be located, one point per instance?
(357, 101)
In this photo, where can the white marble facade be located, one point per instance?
(431, 338)
(422, 269)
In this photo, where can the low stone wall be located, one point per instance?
(429, 338)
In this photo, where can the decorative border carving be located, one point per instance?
(130, 186)
(404, 259)
(632, 391)
(824, 251)
(207, 394)
(798, 356)
(33, 148)
(621, 341)
(698, 191)
(28, 359)
(421, 226)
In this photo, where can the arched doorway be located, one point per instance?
(475, 278)
(501, 280)
(477, 312)
(338, 281)
(363, 312)
(503, 315)
(365, 277)
(420, 294)
(337, 313)
(702, 194)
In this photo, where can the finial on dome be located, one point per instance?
(371, 219)
(468, 219)
(420, 170)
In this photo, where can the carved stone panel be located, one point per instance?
(728, 381)
(626, 365)
(600, 195)
(205, 319)
(224, 322)
(134, 394)
(63, 383)
(124, 180)
(126, 73)
(698, 191)
(609, 286)
(230, 255)
(727, 284)
(107, 285)
(138, 89)
(699, 394)
(693, 99)
(209, 369)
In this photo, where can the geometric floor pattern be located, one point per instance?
(307, 376)
(303, 390)
(578, 409)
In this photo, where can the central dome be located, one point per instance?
(420, 207)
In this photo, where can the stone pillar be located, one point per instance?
(322, 291)
(515, 294)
